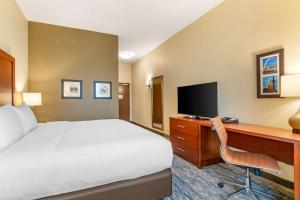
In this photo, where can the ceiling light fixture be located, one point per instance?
(126, 55)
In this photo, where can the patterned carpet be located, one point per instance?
(190, 183)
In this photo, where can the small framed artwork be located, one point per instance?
(71, 89)
(269, 66)
(102, 90)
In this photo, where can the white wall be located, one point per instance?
(125, 77)
(14, 41)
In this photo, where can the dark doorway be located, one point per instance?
(124, 101)
(157, 103)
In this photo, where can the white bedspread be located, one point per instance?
(61, 157)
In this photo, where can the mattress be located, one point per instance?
(61, 157)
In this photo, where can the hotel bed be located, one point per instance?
(90, 160)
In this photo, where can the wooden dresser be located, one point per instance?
(194, 143)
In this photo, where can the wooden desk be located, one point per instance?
(281, 144)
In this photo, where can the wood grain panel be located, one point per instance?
(204, 143)
(278, 134)
(186, 139)
(184, 127)
(297, 171)
(279, 150)
(210, 144)
(7, 76)
(187, 153)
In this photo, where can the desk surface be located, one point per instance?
(278, 134)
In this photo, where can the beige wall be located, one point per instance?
(124, 73)
(57, 53)
(14, 40)
(125, 77)
(221, 46)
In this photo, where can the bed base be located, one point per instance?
(152, 187)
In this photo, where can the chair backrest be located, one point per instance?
(221, 131)
(225, 152)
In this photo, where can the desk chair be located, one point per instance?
(245, 159)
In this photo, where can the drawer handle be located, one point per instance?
(181, 138)
(180, 149)
(180, 126)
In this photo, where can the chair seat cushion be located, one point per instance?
(254, 160)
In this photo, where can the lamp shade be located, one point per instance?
(290, 85)
(32, 99)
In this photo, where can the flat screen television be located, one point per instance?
(198, 100)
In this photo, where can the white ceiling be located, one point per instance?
(141, 25)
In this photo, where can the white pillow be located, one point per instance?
(27, 117)
(11, 129)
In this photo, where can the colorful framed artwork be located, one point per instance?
(71, 89)
(102, 90)
(269, 66)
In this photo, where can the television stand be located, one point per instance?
(203, 118)
(190, 117)
(197, 117)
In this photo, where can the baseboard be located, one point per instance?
(147, 128)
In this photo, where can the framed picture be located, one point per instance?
(102, 90)
(270, 66)
(71, 89)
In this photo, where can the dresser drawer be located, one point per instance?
(184, 127)
(187, 153)
(186, 139)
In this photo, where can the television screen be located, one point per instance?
(198, 100)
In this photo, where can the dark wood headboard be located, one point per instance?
(7, 78)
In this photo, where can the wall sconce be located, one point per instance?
(148, 83)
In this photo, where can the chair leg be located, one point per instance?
(234, 184)
(263, 193)
(257, 172)
(253, 194)
(235, 193)
(242, 174)
(246, 187)
(242, 190)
